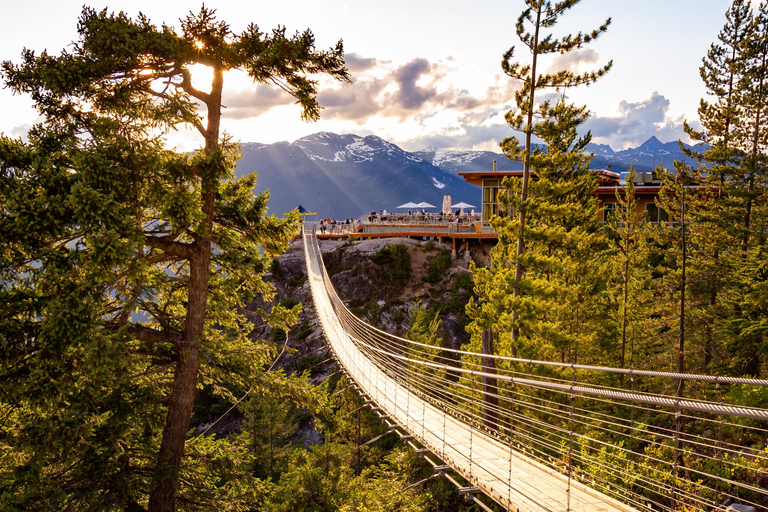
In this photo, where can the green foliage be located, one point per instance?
(303, 330)
(278, 334)
(289, 303)
(437, 267)
(559, 196)
(561, 243)
(309, 363)
(125, 267)
(398, 315)
(269, 427)
(317, 480)
(628, 296)
(397, 260)
(297, 281)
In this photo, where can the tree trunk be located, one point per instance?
(166, 473)
(626, 297)
(755, 152)
(526, 178)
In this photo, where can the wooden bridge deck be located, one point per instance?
(507, 476)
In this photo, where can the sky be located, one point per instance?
(425, 72)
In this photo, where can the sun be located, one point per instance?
(199, 45)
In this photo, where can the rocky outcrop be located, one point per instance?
(369, 292)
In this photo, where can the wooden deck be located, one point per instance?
(509, 477)
(370, 230)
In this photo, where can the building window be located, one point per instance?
(609, 211)
(655, 214)
(491, 200)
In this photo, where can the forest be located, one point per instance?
(128, 272)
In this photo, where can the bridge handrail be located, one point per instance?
(694, 405)
(532, 414)
(722, 379)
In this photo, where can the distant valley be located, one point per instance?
(344, 176)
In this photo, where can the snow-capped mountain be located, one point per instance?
(349, 175)
(459, 161)
(645, 157)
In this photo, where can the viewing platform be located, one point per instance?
(460, 229)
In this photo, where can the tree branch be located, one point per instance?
(169, 246)
(186, 86)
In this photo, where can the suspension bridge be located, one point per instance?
(548, 436)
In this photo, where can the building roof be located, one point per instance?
(608, 180)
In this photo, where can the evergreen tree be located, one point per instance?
(270, 426)
(539, 15)
(754, 130)
(127, 265)
(628, 267)
(724, 210)
(722, 70)
(555, 306)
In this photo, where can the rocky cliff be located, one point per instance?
(382, 290)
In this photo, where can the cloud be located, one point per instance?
(357, 64)
(410, 91)
(572, 61)
(409, 96)
(247, 103)
(636, 122)
(414, 91)
(482, 130)
(351, 102)
(22, 131)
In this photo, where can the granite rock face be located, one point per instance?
(368, 290)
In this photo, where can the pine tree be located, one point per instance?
(270, 425)
(722, 70)
(127, 265)
(539, 15)
(731, 179)
(754, 130)
(628, 267)
(555, 307)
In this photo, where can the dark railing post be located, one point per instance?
(570, 436)
(719, 444)
(677, 457)
(490, 384)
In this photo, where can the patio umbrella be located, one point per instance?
(302, 211)
(425, 205)
(462, 205)
(409, 205)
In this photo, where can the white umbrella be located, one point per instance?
(409, 205)
(425, 205)
(462, 205)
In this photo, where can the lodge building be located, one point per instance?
(475, 228)
(647, 187)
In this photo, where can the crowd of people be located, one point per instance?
(331, 225)
(424, 214)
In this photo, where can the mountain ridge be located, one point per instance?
(348, 175)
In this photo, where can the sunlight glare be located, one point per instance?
(202, 76)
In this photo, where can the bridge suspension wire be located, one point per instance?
(577, 424)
